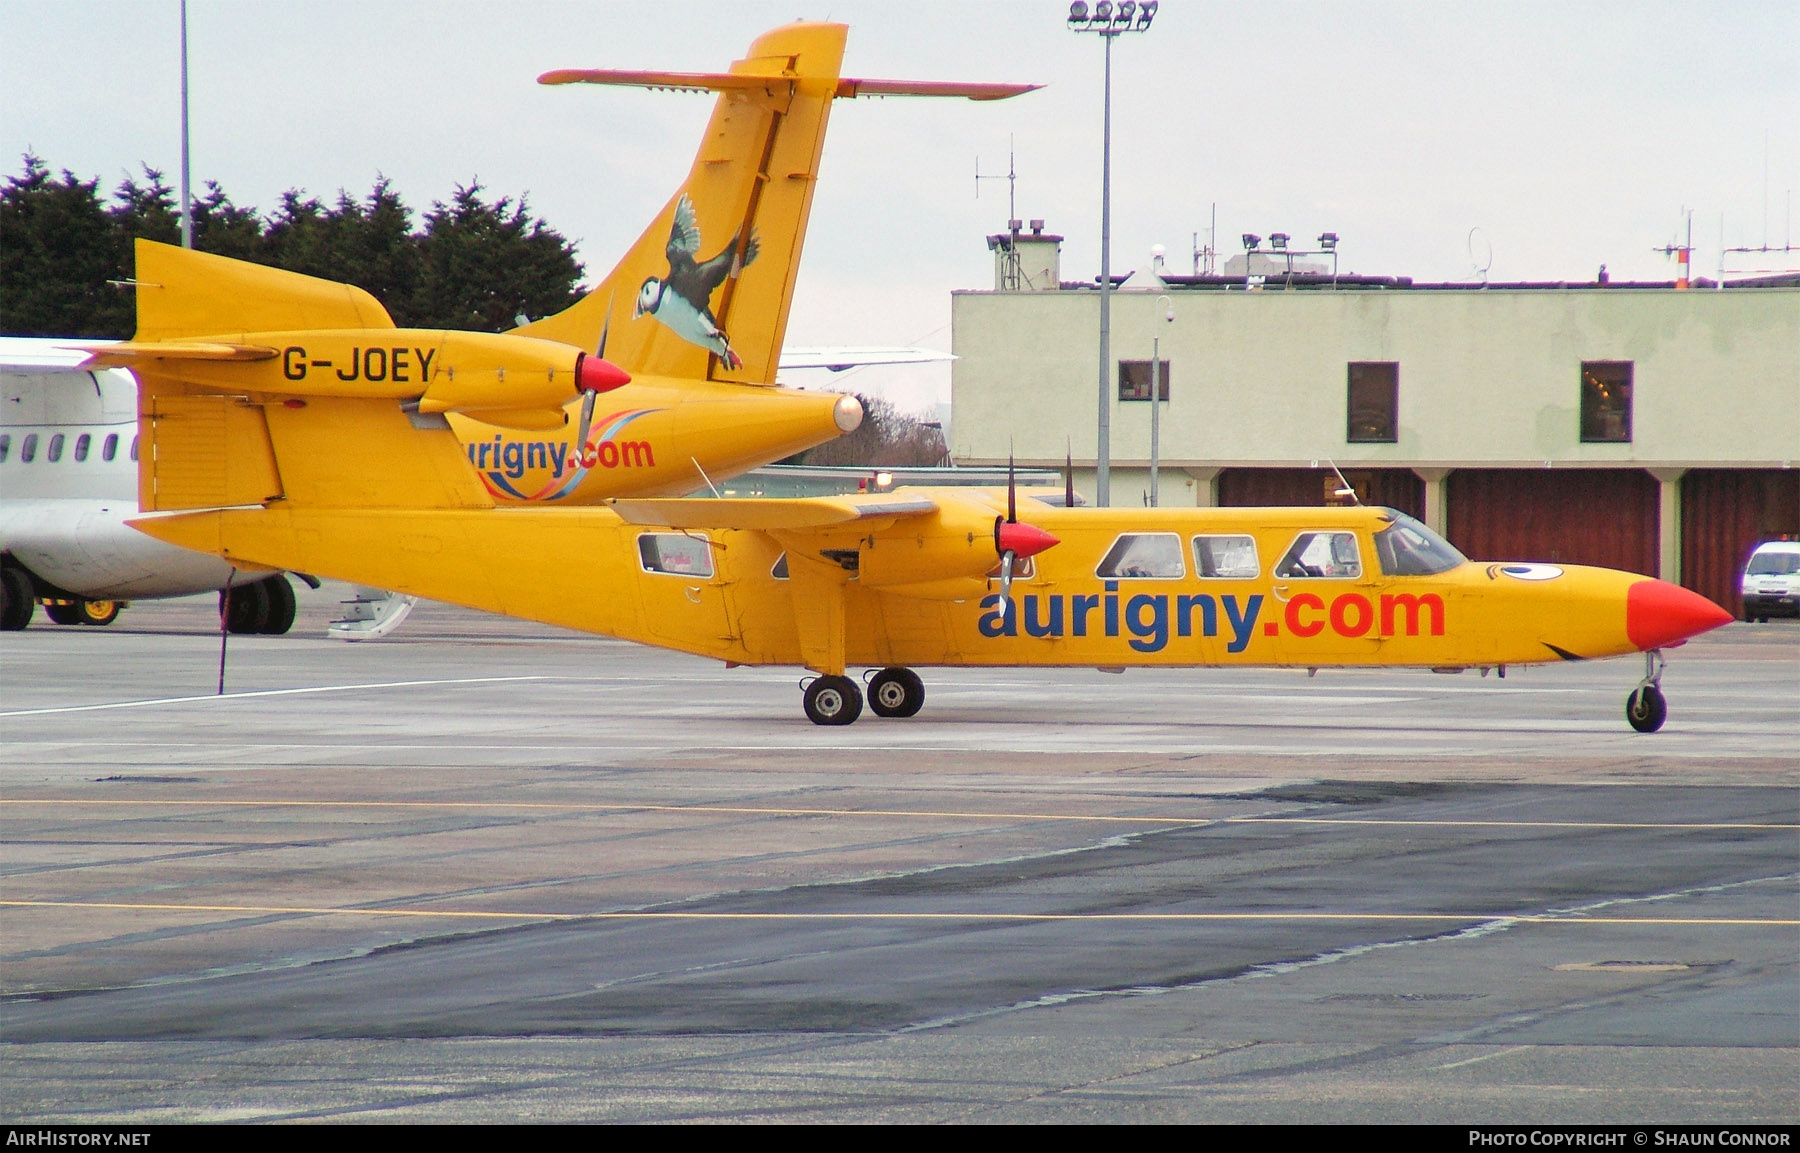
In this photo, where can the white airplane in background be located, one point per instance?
(68, 484)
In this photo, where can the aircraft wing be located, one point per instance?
(763, 514)
(838, 358)
(847, 87)
(45, 354)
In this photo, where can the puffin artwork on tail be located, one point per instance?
(682, 301)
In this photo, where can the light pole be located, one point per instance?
(1109, 20)
(187, 201)
(1168, 307)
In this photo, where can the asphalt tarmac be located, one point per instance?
(484, 870)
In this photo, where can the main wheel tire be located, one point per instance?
(832, 701)
(17, 599)
(246, 608)
(98, 612)
(1645, 709)
(896, 693)
(63, 614)
(282, 606)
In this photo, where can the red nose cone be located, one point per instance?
(1658, 614)
(1022, 539)
(595, 375)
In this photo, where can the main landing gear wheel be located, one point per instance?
(245, 608)
(98, 612)
(18, 600)
(1645, 708)
(832, 701)
(896, 693)
(282, 606)
(68, 613)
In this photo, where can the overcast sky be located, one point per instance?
(1570, 133)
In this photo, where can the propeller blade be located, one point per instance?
(1012, 491)
(587, 423)
(1068, 477)
(1006, 579)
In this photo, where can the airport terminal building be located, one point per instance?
(1638, 426)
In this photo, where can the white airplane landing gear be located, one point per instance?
(1646, 709)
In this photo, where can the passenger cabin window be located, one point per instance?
(54, 452)
(5, 446)
(1226, 558)
(1322, 554)
(110, 447)
(1408, 548)
(676, 554)
(1606, 402)
(81, 446)
(1134, 380)
(1152, 555)
(134, 441)
(28, 450)
(1373, 403)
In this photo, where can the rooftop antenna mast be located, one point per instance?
(1012, 274)
(1683, 252)
(1205, 258)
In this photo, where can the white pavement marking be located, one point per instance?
(265, 693)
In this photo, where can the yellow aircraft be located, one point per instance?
(259, 453)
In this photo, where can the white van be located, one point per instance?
(1772, 581)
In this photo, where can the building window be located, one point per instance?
(1134, 380)
(1374, 402)
(1606, 402)
(81, 446)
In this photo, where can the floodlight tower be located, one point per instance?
(1109, 21)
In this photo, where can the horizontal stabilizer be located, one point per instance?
(764, 514)
(847, 87)
(125, 353)
(183, 293)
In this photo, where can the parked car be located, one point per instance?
(1772, 581)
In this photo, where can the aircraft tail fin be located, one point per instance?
(705, 291)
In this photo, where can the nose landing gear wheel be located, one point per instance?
(896, 693)
(832, 701)
(1646, 709)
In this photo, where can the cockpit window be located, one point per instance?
(1408, 548)
(780, 569)
(1322, 554)
(1153, 555)
(676, 554)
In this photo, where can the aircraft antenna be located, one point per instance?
(703, 476)
(1345, 488)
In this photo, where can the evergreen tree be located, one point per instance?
(58, 249)
(474, 265)
(483, 265)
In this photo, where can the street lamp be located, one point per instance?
(1156, 386)
(1109, 21)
